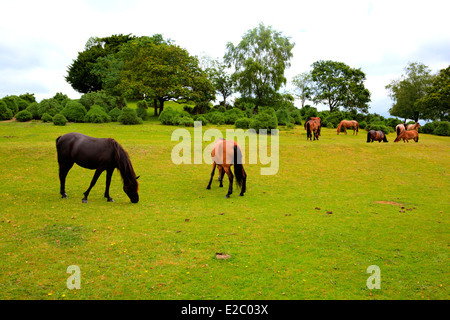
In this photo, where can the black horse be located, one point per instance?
(97, 154)
(379, 136)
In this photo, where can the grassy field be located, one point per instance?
(336, 207)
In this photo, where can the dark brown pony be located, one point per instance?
(99, 155)
(347, 124)
(408, 135)
(224, 154)
(312, 126)
(379, 136)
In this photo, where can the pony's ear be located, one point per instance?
(138, 177)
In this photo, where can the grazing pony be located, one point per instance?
(99, 155)
(347, 124)
(224, 154)
(400, 128)
(415, 126)
(312, 126)
(408, 135)
(379, 136)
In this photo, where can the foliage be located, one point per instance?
(408, 91)
(96, 114)
(167, 116)
(50, 106)
(260, 60)
(303, 86)
(11, 103)
(129, 116)
(24, 115)
(141, 110)
(74, 111)
(47, 118)
(201, 118)
(242, 123)
(442, 128)
(59, 120)
(216, 117)
(283, 117)
(33, 108)
(5, 112)
(379, 127)
(232, 115)
(115, 114)
(265, 119)
(220, 79)
(103, 99)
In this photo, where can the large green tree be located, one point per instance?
(408, 90)
(79, 73)
(151, 69)
(303, 86)
(339, 86)
(435, 105)
(259, 60)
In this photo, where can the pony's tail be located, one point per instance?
(368, 136)
(308, 129)
(398, 131)
(357, 127)
(239, 171)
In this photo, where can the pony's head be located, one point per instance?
(131, 189)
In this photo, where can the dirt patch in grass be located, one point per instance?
(393, 203)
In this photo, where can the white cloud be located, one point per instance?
(39, 39)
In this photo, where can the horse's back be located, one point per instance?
(223, 151)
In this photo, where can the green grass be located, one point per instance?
(282, 246)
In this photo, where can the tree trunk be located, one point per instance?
(155, 105)
(161, 105)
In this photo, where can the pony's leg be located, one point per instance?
(109, 174)
(230, 178)
(244, 184)
(212, 175)
(97, 174)
(63, 171)
(221, 175)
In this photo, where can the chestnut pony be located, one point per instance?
(408, 135)
(312, 126)
(347, 124)
(224, 154)
(379, 136)
(99, 155)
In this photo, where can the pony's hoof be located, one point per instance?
(84, 201)
(227, 196)
(64, 196)
(110, 200)
(208, 188)
(241, 195)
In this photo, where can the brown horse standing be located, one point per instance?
(97, 154)
(379, 136)
(312, 126)
(415, 126)
(226, 153)
(347, 124)
(408, 135)
(400, 128)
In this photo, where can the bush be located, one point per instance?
(335, 118)
(232, 115)
(379, 127)
(442, 128)
(362, 124)
(141, 110)
(184, 121)
(129, 116)
(428, 127)
(201, 118)
(33, 108)
(265, 119)
(5, 113)
(242, 123)
(74, 111)
(296, 115)
(284, 117)
(47, 118)
(330, 125)
(50, 106)
(115, 114)
(102, 99)
(216, 117)
(11, 104)
(23, 116)
(59, 120)
(168, 116)
(96, 115)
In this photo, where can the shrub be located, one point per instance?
(184, 121)
(50, 106)
(167, 116)
(216, 117)
(297, 116)
(428, 127)
(141, 110)
(379, 127)
(129, 116)
(335, 118)
(33, 108)
(115, 114)
(232, 115)
(11, 104)
(74, 111)
(330, 125)
(23, 116)
(59, 120)
(102, 99)
(96, 115)
(266, 119)
(5, 113)
(201, 118)
(362, 124)
(242, 123)
(442, 128)
(47, 118)
(284, 117)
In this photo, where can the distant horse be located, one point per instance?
(400, 128)
(415, 126)
(318, 121)
(347, 124)
(379, 136)
(226, 153)
(97, 154)
(312, 126)
(408, 135)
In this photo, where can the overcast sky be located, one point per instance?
(40, 39)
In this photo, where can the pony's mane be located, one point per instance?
(124, 165)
